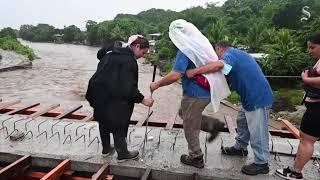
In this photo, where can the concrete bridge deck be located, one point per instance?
(80, 142)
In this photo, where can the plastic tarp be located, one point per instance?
(188, 39)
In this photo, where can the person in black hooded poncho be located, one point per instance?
(113, 90)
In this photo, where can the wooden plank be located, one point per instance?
(55, 173)
(147, 174)
(171, 121)
(52, 114)
(35, 175)
(16, 168)
(43, 111)
(293, 130)
(70, 111)
(8, 104)
(38, 175)
(88, 118)
(230, 124)
(22, 108)
(102, 173)
(80, 178)
(230, 105)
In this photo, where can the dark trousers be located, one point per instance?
(105, 134)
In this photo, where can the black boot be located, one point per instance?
(107, 149)
(120, 144)
(195, 162)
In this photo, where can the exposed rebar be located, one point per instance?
(44, 132)
(84, 138)
(96, 138)
(40, 125)
(78, 128)
(55, 134)
(90, 129)
(69, 136)
(64, 128)
(53, 126)
(290, 146)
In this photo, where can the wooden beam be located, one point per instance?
(17, 168)
(171, 121)
(52, 114)
(230, 105)
(88, 118)
(291, 128)
(35, 175)
(230, 124)
(8, 104)
(38, 175)
(58, 171)
(22, 108)
(102, 173)
(70, 111)
(147, 174)
(43, 111)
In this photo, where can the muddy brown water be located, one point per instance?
(61, 76)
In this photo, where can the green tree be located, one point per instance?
(216, 31)
(285, 57)
(39, 33)
(72, 34)
(8, 32)
(92, 32)
(254, 38)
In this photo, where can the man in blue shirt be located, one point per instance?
(194, 101)
(256, 99)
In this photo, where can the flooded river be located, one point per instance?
(61, 76)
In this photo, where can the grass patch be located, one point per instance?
(11, 44)
(234, 98)
(294, 95)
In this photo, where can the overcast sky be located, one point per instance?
(59, 13)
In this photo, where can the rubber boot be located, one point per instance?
(107, 149)
(121, 147)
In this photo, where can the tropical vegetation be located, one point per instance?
(9, 41)
(278, 28)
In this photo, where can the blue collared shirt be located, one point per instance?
(248, 80)
(189, 86)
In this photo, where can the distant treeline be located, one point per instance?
(277, 28)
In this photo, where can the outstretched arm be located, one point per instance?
(167, 80)
(209, 68)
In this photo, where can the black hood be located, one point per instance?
(115, 47)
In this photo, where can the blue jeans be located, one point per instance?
(253, 126)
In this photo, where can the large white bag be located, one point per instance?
(188, 39)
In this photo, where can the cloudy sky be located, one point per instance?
(67, 12)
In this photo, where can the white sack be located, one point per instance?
(188, 39)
